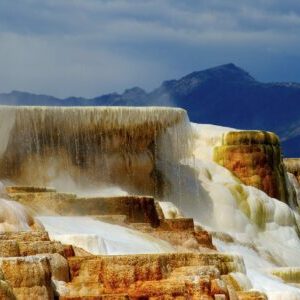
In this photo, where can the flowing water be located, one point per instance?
(102, 238)
(88, 148)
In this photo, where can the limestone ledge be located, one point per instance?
(141, 213)
(145, 276)
(29, 262)
(136, 208)
(152, 276)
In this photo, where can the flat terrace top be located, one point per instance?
(43, 107)
(108, 116)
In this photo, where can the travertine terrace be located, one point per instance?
(139, 203)
(194, 271)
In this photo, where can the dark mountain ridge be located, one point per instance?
(224, 95)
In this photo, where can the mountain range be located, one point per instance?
(225, 95)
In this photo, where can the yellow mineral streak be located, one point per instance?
(255, 158)
(290, 275)
(292, 165)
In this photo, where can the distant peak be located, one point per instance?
(226, 72)
(134, 91)
(15, 92)
(229, 66)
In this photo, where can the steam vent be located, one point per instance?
(140, 203)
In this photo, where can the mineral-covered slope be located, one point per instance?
(191, 270)
(221, 177)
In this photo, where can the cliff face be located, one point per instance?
(255, 158)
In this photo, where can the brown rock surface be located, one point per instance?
(9, 248)
(178, 232)
(28, 189)
(255, 158)
(25, 275)
(25, 236)
(144, 267)
(29, 277)
(59, 266)
(251, 295)
(102, 297)
(6, 292)
(157, 276)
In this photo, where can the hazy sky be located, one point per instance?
(91, 47)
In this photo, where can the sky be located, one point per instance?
(92, 47)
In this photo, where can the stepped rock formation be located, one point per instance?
(138, 195)
(138, 209)
(200, 273)
(28, 262)
(136, 212)
(153, 275)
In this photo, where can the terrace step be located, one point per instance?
(137, 209)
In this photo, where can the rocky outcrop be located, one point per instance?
(30, 243)
(165, 276)
(255, 158)
(28, 277)
(29, 262)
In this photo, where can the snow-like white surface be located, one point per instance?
(102, 238)
(220, 202)
(14, 216)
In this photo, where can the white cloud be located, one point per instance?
(64, 68)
